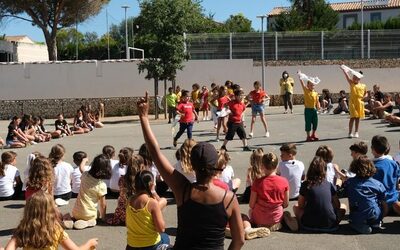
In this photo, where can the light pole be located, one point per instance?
(126, 32)
(362, 29)
(263, 51)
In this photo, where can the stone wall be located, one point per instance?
(51, 107)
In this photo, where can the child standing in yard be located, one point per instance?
(235, 124)
(188, 115)
(311, 105)
(366, 196)
(257, 98)
(356, 105)
(171, 99)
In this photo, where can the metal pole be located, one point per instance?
(77, 39)
(133, 38)
(126, 33)
(369, 44)
(362, 29)
(230, 46)
(322, 45)
(263, 53)
(108, 36)
(276, 46)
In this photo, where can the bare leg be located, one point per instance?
(351, 121)
(396, 207)
(298, 212)
(264, 122)
(357, 124)
(253, 120)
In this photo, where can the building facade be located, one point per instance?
(22, 49)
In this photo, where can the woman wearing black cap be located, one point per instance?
(286, 83)
(203, 208)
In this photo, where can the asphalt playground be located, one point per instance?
(126, 131)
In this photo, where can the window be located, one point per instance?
(348, 20)
(376, 16)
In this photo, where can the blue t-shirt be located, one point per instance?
(387, 172)
(364, 197)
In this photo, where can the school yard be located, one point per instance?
(125, 131)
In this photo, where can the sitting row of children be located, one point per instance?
(31, 129)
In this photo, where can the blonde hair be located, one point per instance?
(185, 151)
(255, 169)
(270, 161)
(223, 158)
(57, 152)
(6, 158)
(41, 174)
(40, 226)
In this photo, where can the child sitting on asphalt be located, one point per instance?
(227, 175)
(269, 196)
(80, 161)
(291, 169)
(255, 171)
(366, 197)
(333, 173)
(387, 172)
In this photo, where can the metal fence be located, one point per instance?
(328, 45)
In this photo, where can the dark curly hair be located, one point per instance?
(363, 167)
(316, 171)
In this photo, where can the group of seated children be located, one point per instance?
(31, 130)
(370, 185)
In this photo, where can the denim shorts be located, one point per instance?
(257, 109)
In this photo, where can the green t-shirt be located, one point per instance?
(171, 100)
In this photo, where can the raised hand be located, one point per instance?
(143, 105)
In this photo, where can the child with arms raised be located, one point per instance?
(366, 196)
(40, 228)
(291, 169)
(269, 196)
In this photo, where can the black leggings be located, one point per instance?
(287, 100)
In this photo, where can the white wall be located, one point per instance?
(122, 79)
(27, 52)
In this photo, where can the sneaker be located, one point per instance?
(246, 148)
(356, 135)
(343, 112)
(33, 142)
(68, 224)
(82, 224)
(275, 227)
(60, 202)
(258, 232)
(309, 138)
(290, 221)
(251, 134)
(267, 134)
(224, 148)
(285, 112)
(175, 143)
(217, 139)
(351, 135)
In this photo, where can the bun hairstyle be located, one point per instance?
(143, 181)
(270, 161)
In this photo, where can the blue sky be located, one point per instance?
(221, 8)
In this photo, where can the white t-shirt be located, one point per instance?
(76, 178)
(108, 181)
(116, 173)
(7, 181)
(62, 178)
(227, 175)
(330, 173)
(190, 176)
(29, 159)
(292, 170)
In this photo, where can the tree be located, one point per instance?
(307, 15)
(51, 15)
(162, 25)
(238, 23)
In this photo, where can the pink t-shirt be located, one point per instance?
(270, 191)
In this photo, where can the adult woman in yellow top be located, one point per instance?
(356, 104)
(286, 83)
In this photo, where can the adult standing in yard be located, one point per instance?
(287, 83)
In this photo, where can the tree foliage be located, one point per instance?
(307, 15)
(238, 23)
(51, 15)
(391, 23)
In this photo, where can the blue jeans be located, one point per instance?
(164, 240)
(182, 127)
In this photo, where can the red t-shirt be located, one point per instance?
(257, 96)
(186, 108)
(271, 189)
(237, 109)
(222, 101)
(221, 184)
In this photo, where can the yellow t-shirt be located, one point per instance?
(91, 191)
(178, 96)
(61, 235)
(141, 231)
(195, 98)
(310, 98)
(286, 86)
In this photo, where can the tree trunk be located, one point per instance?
(155, 98)
(174, 85)
(51, 42)
(165, 99)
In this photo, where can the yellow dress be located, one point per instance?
(356, 103)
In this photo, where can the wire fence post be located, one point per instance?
(230, 46)
(276, 46)
(322, 46)
(369, 44)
